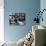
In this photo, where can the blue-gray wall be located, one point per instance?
(43, 6)
(30, 7)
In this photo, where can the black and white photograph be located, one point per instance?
(17, 19)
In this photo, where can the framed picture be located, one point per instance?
(17, 19)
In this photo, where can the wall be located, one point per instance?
(43, 6)
(30, 7)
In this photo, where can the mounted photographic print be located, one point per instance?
(17, 19)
